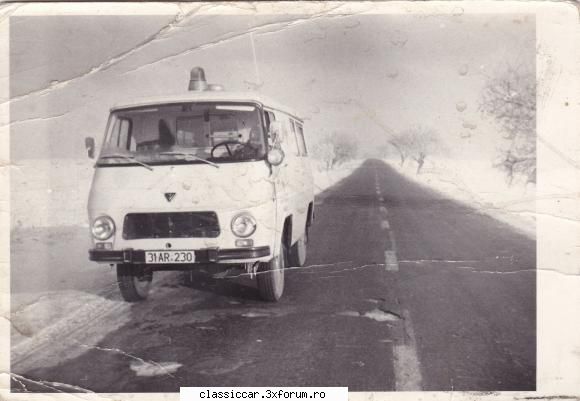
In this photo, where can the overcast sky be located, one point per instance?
(365, 75)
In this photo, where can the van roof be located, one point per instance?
(209, 96)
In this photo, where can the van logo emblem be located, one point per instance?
(169, 196)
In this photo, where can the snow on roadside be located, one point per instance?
(40, 187)
(478, 184)
(70, 321)
(29, 320)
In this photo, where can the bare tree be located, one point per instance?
(401, 144)
(417, 142)
(510, 99)
(324, 151)
(345, 147)
(336, 148)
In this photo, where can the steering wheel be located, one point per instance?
(226, 144)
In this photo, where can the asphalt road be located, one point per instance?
(404, 290)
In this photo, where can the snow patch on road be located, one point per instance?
(256, 314)
(381, 315)
(148, 369)
(376, 314)
(259, 312)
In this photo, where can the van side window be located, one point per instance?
(300, 140)
(288, 136)
(295, 138)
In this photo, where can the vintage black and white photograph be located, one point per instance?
(225, 196)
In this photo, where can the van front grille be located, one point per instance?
(171, 225)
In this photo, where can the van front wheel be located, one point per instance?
(270, 277)
(134, 282)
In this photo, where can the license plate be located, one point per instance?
(169, 257)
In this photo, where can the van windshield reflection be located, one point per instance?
(209, 133)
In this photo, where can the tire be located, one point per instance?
(298, 252)
(270, 277)
(133, 282)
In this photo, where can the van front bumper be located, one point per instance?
(209, 255)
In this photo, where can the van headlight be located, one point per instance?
(243, 225)
(103, 228)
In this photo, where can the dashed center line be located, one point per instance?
(406, 360)
(391, 263)
(407, 368)
(392, 240)
(390, 247)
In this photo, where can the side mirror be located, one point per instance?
(275, 156)
(90, 146)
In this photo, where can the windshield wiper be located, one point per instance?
(129, 158)
(190, 155)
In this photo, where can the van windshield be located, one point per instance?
(184, 133)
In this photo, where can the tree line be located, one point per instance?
(509, 99)
(415, 143)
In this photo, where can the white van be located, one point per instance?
(207, 177)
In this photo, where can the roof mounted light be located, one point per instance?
(197, 81)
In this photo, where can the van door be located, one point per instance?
(285, 175)
(298, 206)
(306, 180)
